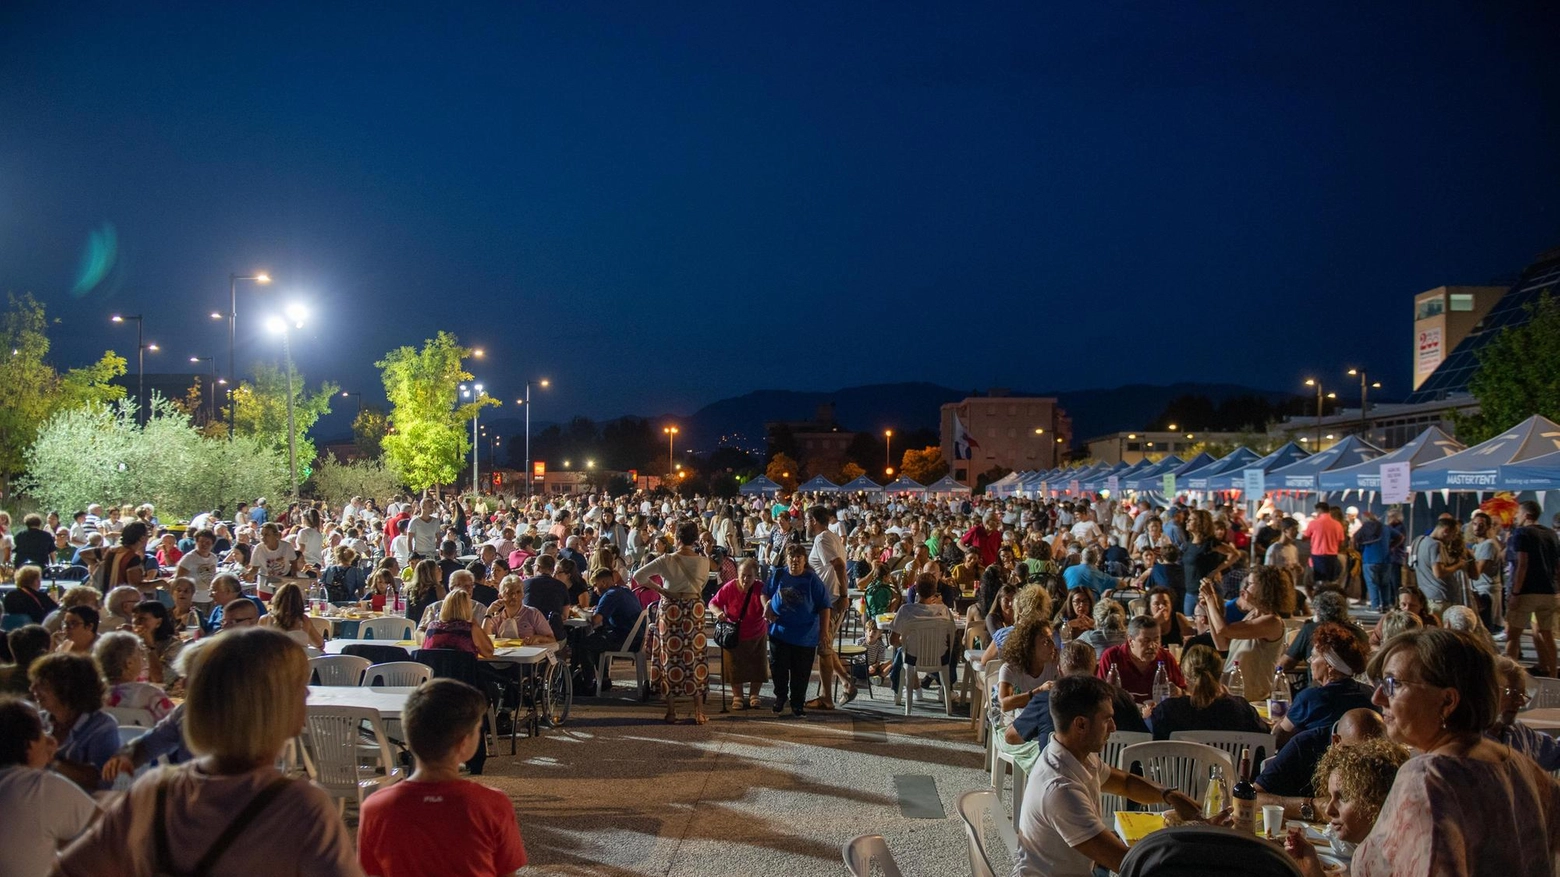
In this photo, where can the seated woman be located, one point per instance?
(56, 810)
(1028, 664)
(1336, 658)
(1356, 780)
(123, 659)
(247, 699)
(1207, 705)
(452, 629)
(1174, 628)
(75, 595)
(1110, 626)
(157, 631)
(288, 615)
(1538, 746)
(510, 618)
(1439, 692)
(343, 578)
(1256, 641)
(1077, 615)
(1410, 600)
(70, 692)
(184, 614)
(1002, 613)
(1031, 601)
(120, 605)
(78, 632)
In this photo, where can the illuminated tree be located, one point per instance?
(261, 411)
(784, 471)
(429, 437)
(923, 466)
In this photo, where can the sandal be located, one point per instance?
(738, 703)
(850, 695)
(819, 703)
(753, 702)
(699, 719)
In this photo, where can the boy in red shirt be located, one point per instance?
(436, 823)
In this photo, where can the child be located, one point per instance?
(879, 661)
(436, 823)
(376, 595)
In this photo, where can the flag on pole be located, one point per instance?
(962, 440)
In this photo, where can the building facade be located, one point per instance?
(1443, 317)
(1132, 447)
(999, 431)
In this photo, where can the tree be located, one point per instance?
(783, 471)
(260, 411)
(368, 433)
(923, 466)
(850, 472)
(1518, 375)
(428, 438)
(336, 482)
(31, 390)
(995, 473)
(99, 453)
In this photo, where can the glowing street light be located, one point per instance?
(140, 362)
(295, 317)
(261, 278)
(1365, 386)
(211, 390)
(671, 438)
(529, 475)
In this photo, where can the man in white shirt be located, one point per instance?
(827, 559)
(1061, 831)
(272, 560)
(1085, 530)
(200, 566)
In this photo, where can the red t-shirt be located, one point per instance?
(1325, 535)
(1140, 683)
(456, 829)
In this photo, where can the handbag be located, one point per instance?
(726, 631)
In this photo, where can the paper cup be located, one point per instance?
(1272, 821)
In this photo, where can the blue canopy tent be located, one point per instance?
(1202, 479)
(1534, 473)
(1150, 477)
(1235, 479)
(819, 484)
(1005, 486)
(1126, 474)
(1301, 477)
(1478, 467)
(760, 486)
(1064, 482)
(862, 485)
(946, 485)
(1427, 447)
(904, 485)
(1096, 482)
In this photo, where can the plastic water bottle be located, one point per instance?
(1278, 701)
(400, 603)
(1113, 676)
(1217, 796)
(1235, 681)
(1161, 684)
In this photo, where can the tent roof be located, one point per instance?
(1235, 479)
(761, 484)
(904, 485)
(1428, 446)
(946, 484)
(1534, 473)
(1478, 467)
(1148, 477)
(862, 484)
(819, 484)
(1302, 475)
(1201, 479)
(1202, 459)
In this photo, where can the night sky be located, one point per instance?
(658, 206)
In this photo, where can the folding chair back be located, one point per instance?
(397, 674)
(337, 669)
(390, 627)
(1116, 742)
(984, 818)
(376, 654)
(1231, 743)
(1175, 764)
(868, 856)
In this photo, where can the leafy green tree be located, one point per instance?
(1518, 375)
(784, 471)
(336, 482)
(261, 410)
(923, 466)
(31, 390)
(428, 437)
(98, 453)
(368, 433)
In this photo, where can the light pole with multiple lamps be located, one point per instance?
(475, 394)
(1365, 387)
(140, 363)
(1313, 382)
(529, 477)
(671, 438)
(284, 327)
(232, 318)
(211, 390)
(888, 451)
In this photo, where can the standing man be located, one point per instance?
(1374, 540)
(984, 537)
(827, 559)
(1535, 553)
(1485, 578)
(1324, 535)
(1435, 569)
(1061, 832)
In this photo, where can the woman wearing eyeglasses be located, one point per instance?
(1536, 745)
(1465, 805)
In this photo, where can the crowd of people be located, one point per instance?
(1101, 615)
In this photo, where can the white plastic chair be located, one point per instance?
(929, 640)
(986, 684)
(1111, 755)
(1546, 693)
(977, 808)
(1263, 746)
(335, 734)
(390, 627)
(339, 669)
(866, 850)
(397, 674)
(321, 625)
(639, 656)
(133, 718)
(1176, 764)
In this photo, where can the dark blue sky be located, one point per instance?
(660, 206)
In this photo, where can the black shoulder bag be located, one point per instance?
(164, 863)
(726, 631)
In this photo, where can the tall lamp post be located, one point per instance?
(888, 451)
(671, 439)
(232, 316)
(543, 383)
(346, 395)
(1313, 382)
(1365, 387)
(211, 390)
(295, 316)
(140, 364)
(475, 394)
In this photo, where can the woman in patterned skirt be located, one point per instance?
(679, 668)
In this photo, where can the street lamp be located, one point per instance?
(1365, 386)
(544, 384)
(888, 449)
(474, 393)
(295, 317)
(140, 363)
(261, 278)
(346, 395)
(671, 437)
(211, 390)
(1313, 382)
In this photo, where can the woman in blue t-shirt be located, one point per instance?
(797, 608)
(1337, 656)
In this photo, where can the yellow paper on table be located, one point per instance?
(508, 643)
(1262, 710)
(1133, 827)
(886, 618)
(406, 642)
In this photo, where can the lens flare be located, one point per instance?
(97, 259)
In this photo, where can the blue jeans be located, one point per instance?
(1379, 587)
